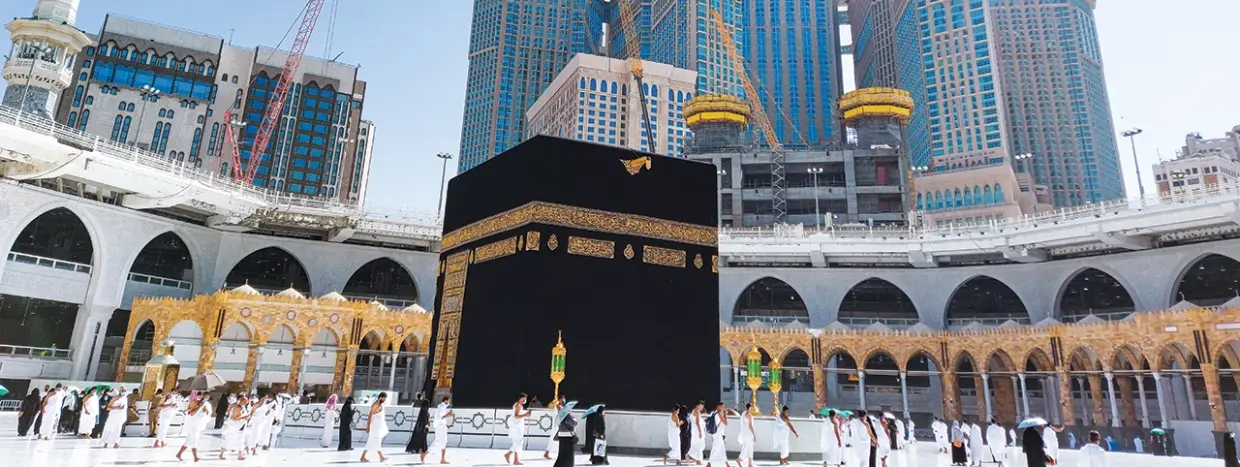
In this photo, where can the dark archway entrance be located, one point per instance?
(987, 301)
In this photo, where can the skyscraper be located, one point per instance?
(792, 52)
(516, 48)
(1050, 64)
(684, 35)
(993, 80)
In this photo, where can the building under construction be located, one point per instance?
(862, 182)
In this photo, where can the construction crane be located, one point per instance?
(633, 50)
(779, 184)
(275, 106)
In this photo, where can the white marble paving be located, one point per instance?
(70, 452)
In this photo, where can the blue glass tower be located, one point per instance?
(516, 48)
(792, 52)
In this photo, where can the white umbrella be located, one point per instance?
(204, 382)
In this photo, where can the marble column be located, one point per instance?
(861, 387)
(1163, 417)
(1145, 412)
(736, 386)
(1086, 417)
(985, 392)
(1016, 395)
(392, 377)
(1114, 404)
(1024, 393)
(904, 392)
(1188, 395)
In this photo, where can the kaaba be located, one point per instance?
(612, 252)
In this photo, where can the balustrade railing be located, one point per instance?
(209, 177)
(11, 405)
(164, 281)
(48, 262)
(1087, 211)
(391, 303)
(988, 321)
(1104, 315)
(741, 320)
(35, 352)
(896, 323)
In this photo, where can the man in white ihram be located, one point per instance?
(996, 441)
(940, 434)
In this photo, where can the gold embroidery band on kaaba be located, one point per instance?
(572, 217)
(453, 293)
(591, 247)
(494, 250)
(663, 256)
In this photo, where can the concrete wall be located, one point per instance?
(1150, 277)
(118, 235)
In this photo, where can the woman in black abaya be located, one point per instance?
(1035, 449)
(417, 443)
(105, 398)
(567, 438)
(221, 411)
(686, 432)
(959, 455)
(28, 411)
(346, 425)
(596, 430)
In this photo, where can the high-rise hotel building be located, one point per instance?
(590, 101)
(516, 48)
(994, 80)
(167, 90)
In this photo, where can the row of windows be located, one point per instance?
(150, 57)
(969, 197)
(166, 84)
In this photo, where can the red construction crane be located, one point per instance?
(275, 106)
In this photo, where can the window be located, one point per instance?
(72, 119)
(125, 130)
(129, 108)
(116, 127)
(85, 118)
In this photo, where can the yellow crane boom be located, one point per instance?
(633, 51)
(758, 115)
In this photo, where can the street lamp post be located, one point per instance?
(1023, 159)
(148, 93)
(911, 194)
(719, 196)
(814, 171)
(443, 177)
(1131, 135)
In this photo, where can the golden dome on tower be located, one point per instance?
(863, 103)
(715, 108)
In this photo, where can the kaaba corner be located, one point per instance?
(602, 247)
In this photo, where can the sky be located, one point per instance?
(1166, 78)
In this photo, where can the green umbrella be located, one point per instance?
(1158, 431)
(3, 391)
(840, 412)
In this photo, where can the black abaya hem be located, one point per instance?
(565, 456)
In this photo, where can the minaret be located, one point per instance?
(40, 64)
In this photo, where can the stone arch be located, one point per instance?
(1209, 280)
(985, 299)
(964, 357)
(1090, 290)
(795, 355)
(846, 360)
(797, 374)
(165, 256)
(929, 357)
(1173, 353)
(282, 334)
(1000, 362)
(185, 329)
(73, 240)
(770, 300)
(271, 268)
(326, 336)
(878, 299)
(1084, 358)
(410, 343)
(1127, 354)
(238, 331)
(783, 354)
(1038, 360)
(383, 279)
(372, 339)
(1229, 351)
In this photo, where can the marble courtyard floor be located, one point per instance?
(72, 452)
